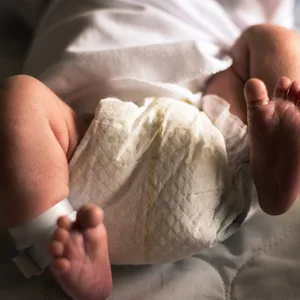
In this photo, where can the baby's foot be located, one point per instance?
(80, 255)
(274, 127)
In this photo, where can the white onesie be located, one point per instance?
(169, 167)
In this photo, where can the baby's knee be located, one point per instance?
(28, 106)
(19, 93)
(27, 102)
(271, 38)
(21, 99)
(19, 88)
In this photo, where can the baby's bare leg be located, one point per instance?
(38, 132)
(267, 53)
(274, 131)
(38, 135)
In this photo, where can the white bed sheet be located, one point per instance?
(261, 261)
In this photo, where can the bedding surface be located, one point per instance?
(261, 261)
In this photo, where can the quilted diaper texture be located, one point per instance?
(161, 172)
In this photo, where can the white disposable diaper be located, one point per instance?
(171, 179)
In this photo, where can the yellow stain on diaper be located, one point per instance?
(152, 192)
(186, 100)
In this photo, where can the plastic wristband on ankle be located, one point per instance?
(32, 239)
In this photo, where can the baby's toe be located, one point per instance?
(64, 222)
(61, 235)
(96, 239)
(56, 248)
(58, 241)
(255, 93)
(293, 92)
(282, 88)
(89, 216)
(60, 265)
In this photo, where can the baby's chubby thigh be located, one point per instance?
(158, 171)
(34, 142)
(227, 85)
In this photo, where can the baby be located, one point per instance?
(39, 134)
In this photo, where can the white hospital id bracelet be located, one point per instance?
(32, 238)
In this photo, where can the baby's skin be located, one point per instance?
(80, 255)
(274, 131)
(266, 103)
